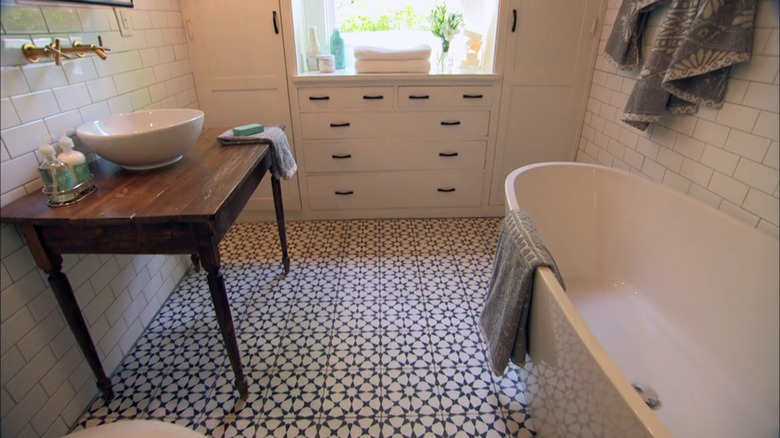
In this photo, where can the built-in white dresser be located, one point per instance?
(389, 148)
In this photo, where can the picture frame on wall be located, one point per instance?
(120, 3)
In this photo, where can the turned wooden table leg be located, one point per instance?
(276, 189)
(210, 262)
(52, 265)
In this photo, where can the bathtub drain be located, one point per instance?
(648, 394)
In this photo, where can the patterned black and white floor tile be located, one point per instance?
(372, 333)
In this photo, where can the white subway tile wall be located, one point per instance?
(45, 383)
(727, 158)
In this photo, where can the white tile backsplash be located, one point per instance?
(39, 337)
(759, 69)
(688, 146)
(72, 96)
(140, 98)
(8, 116)
(66, 121)
(23, 19)
(763, 205)
(696, 172)
(95, 111)
(757, 175)
(35, 105)
(78, 71)
(19, 294)
(120, 104)
(62, 20)
(11, 50)
(710, 132)
(728, 188)
(45, 381)
(735, 92)
(730, 155)
(670, 159)
(95, 19)
(772, 158)
(24, 139)
(12, 82)
(719, 159)
(747, 145)
(101, 89)
(762, 96)
(768, 125)
(737, 116)
(44, 76)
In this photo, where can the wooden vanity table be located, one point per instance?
(184, 208)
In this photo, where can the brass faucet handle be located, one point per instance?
(76, 45)
(58, 54)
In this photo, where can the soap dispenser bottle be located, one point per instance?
(337, 49)
(56, 175)
(74, 159)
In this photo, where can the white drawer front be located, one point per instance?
(395, 190)
(316, 126)
(363, 156)
(440, 125)
(444, 125)
(445, 97)
(326, 99)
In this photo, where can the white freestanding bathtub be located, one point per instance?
(661, 290)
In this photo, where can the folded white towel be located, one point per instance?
(386, 66)
(418, 51)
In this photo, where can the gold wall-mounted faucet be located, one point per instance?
(57, 51)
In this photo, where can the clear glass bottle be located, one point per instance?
(312, 50)
(56, 175)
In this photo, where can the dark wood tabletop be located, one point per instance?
(195, 187)
(183, 208)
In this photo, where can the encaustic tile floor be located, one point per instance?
(372, 333)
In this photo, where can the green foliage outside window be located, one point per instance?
(400, 19)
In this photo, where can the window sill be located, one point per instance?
(348, 75)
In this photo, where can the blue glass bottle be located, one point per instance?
(337, 49)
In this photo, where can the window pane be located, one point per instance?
(384, 15)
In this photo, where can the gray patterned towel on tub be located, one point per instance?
(503, 322)
(284, 165)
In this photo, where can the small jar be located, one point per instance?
(327, 63)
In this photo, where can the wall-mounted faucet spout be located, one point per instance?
(56, 51)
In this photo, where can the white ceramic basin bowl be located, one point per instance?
(144, 139)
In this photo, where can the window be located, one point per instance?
(398, 22)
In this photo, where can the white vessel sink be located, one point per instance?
(143, 139)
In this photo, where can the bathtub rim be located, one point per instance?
(510, 196)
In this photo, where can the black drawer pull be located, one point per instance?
(456, 123)
(448, 190)
(419, 96)
(448, 154)
(344, 192)
(339, 125)
(472, 96)
(319, 97)
(340, 157)
(377, 97)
